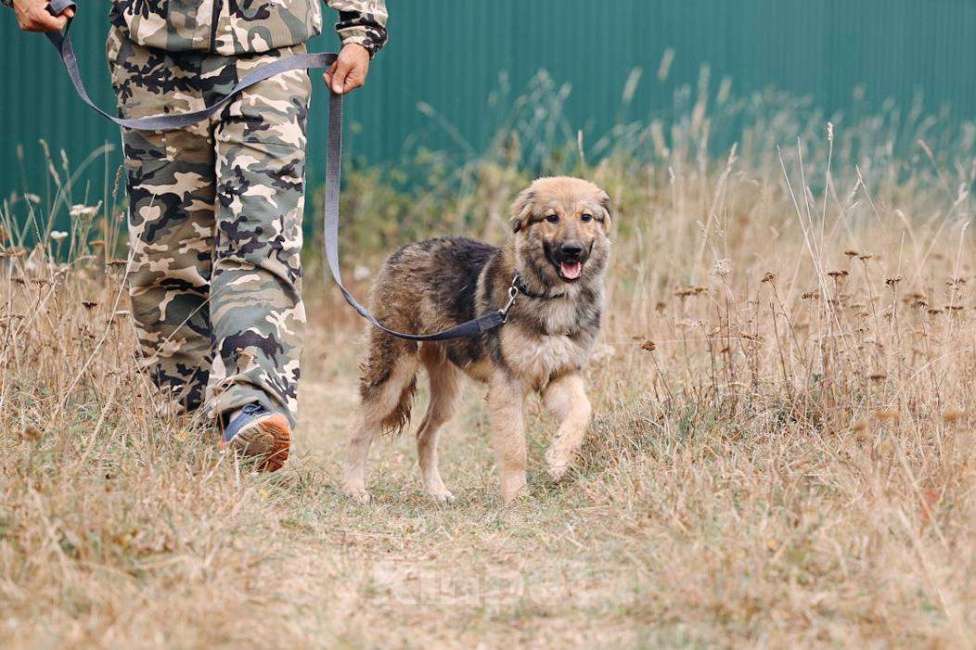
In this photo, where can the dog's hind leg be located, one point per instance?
(388, 383)
(566, 399)
(444, 391)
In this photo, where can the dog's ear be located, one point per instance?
(522, 209)
(605, 204)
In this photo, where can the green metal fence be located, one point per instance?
(450, 53)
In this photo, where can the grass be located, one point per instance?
(781, 453)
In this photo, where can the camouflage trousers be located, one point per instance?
(215, 235)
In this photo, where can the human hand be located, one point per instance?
(349, 70)
(33, 16)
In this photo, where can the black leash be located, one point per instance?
(62, 42)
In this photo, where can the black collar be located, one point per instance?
(520, 286)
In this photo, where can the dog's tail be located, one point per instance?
(397, 420)
(388, 382)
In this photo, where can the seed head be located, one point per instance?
(887, 416)
(83, 211)
(953, 416)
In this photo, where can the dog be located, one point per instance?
(555, 261)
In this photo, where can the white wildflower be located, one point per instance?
(722, 267)
(83, 211)
(360, 273)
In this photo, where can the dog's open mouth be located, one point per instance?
(570, 270)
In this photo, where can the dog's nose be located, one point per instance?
(571, 250)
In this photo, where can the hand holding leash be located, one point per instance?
(37, 15)
(349, 70)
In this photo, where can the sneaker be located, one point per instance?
(257, 433)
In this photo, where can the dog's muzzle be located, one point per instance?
(570, 257)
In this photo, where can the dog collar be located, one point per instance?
(519, 285)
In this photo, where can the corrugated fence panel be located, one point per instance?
(450, 53)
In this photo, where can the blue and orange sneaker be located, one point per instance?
(257, 433)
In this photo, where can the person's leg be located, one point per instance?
(256, 304)
(171, 219)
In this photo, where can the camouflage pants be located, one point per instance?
(215, 215)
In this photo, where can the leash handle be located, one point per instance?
(333, 173)
(58, 7)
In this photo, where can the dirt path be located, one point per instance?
(404, 572)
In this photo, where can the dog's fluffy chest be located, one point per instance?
(537, 361)
(537, 354)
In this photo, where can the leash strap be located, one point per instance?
(475, 327)
(62, 42)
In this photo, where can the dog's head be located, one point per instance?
(561, 227)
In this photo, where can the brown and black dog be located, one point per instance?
(556, 257)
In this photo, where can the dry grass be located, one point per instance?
(782, 451)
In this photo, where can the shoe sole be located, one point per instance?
(267, 441)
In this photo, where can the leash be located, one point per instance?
(62, 42)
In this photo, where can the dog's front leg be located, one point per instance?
(506, 398)
(566, 399)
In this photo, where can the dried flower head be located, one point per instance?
(885, 415)
(722, 268)
(953, 416)
(83, 211)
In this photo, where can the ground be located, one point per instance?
(133, 531)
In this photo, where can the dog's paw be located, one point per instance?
(442, 496)
(557, 471)
(514, 488)
(357, 494)
(520, 497)
(558, 466)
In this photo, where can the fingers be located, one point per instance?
(38, 19)
(328, 73)
(355, 79)
(347, 73)
(340, 76)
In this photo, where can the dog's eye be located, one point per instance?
(586, 217)
(552, 218)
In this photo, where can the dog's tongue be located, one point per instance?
(571, 270)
